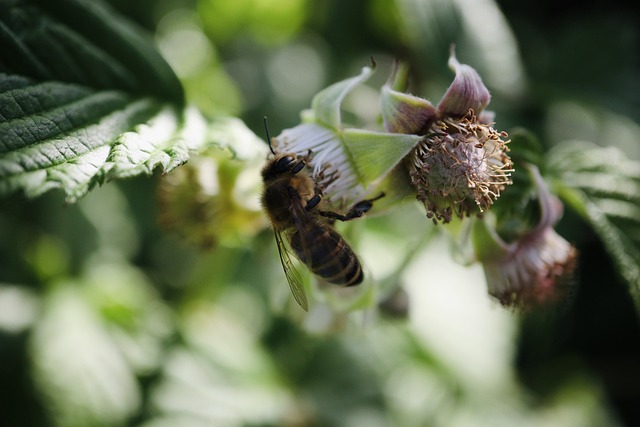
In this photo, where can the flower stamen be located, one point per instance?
(461, 163)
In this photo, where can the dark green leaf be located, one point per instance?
(525, 147)
(84, 98)
(83, 42)
(603, 185)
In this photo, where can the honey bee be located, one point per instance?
(291, 201)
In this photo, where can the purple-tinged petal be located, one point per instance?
(404, 113)
(467, 92)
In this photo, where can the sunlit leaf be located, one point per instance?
(84, 98)
(603, 185)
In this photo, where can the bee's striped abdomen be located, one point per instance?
(327, 255)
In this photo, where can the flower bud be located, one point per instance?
(537, 270)
(537, 267)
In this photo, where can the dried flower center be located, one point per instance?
(461, 163)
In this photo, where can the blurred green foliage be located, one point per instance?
(109, 319)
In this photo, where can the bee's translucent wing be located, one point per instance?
(293, 275)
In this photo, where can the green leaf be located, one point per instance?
(603, 185)
(429, 26)
(525, 147)
(84, 98)
(82, 42)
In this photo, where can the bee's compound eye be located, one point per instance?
(284, 163)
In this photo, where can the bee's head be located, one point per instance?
(278, 165)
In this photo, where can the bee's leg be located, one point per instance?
(356, 211)
(298, 167)
(307, 157)
(313, 202)
(363, 206)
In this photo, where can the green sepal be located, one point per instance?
(374, 154)
(326, 105)
(487, 245)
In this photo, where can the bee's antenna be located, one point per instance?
(266, 129)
